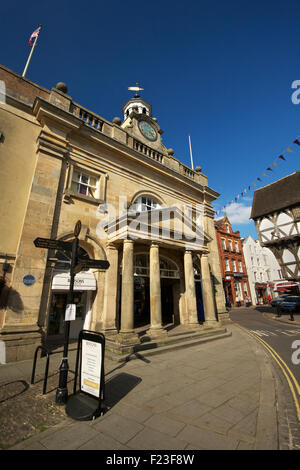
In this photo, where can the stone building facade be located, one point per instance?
(233, 268)
(63, 163)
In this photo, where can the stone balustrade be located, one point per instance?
(115, 131)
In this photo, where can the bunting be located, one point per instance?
(270, 169)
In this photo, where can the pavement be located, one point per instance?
(222, 395)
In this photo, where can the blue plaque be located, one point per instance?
(28, 280)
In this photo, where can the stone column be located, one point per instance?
(127, 334)
(156, 328)
(209, 306)
(110, 291)
(190, 291)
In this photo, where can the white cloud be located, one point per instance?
(238, 213)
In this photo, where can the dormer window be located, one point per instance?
(227, 228)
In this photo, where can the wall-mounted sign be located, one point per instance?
(28, 280)
(83, 281)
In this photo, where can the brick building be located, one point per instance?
(232, 263)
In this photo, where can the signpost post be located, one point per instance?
(77, 265)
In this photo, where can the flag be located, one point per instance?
(264, 174)
(269, 169)
(289, 150)
(34, 35)
(274, 163)
(282, 157)
(259, 179)
(296, 142)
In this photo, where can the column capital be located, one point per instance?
(154, 244)
(111, 246)
(128, 241)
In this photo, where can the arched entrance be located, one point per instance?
(169, 277)
(84, 286)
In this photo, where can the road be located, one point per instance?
(280, 340)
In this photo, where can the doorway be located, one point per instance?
(167, 304)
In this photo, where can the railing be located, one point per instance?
(142, 148)
(186, 171)
(46, 369)
(96, 122)
(91, 119)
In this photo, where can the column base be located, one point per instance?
(193, 325)
(212, 324)
(128, 338)
(157, 332)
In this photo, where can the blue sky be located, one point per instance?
(220, 71)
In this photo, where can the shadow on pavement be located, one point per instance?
(118, 387)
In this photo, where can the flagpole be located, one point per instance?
(29, 57)
(191, 152)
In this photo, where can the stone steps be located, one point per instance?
(174, 341)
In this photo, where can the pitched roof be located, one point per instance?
(276, 196)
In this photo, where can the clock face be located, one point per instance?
(147, 130)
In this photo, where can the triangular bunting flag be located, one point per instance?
(289, 150)
(259, 179)
(296, 141)
(264, 174)
(282, 157)
(274, 163)
(270, 169)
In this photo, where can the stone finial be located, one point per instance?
(61, 86)
(198, 169)
(117, 120)
(154, 119)
(170, 152)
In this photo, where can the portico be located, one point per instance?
(145, 266)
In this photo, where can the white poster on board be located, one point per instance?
(91, 367)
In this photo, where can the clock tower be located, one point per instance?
(138, 122)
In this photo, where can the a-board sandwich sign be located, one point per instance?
(88, 402)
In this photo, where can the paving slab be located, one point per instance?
(205, 397)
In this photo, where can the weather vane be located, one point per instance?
(136, 88)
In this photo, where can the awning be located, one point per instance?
(260, 286)
(84, 280)
(282, 289)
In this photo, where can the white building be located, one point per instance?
(263, 270)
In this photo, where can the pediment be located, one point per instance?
(167, 225)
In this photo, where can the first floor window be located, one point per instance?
(227, 267)
(84, 183)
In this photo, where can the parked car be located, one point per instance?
(278, 300)
(290, 305)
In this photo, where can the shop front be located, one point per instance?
(84, 288)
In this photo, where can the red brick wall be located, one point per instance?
(231, 255)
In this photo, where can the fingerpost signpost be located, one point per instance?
(77, 265)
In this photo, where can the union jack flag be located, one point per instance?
(34, 35)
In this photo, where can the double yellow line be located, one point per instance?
(291, 379)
